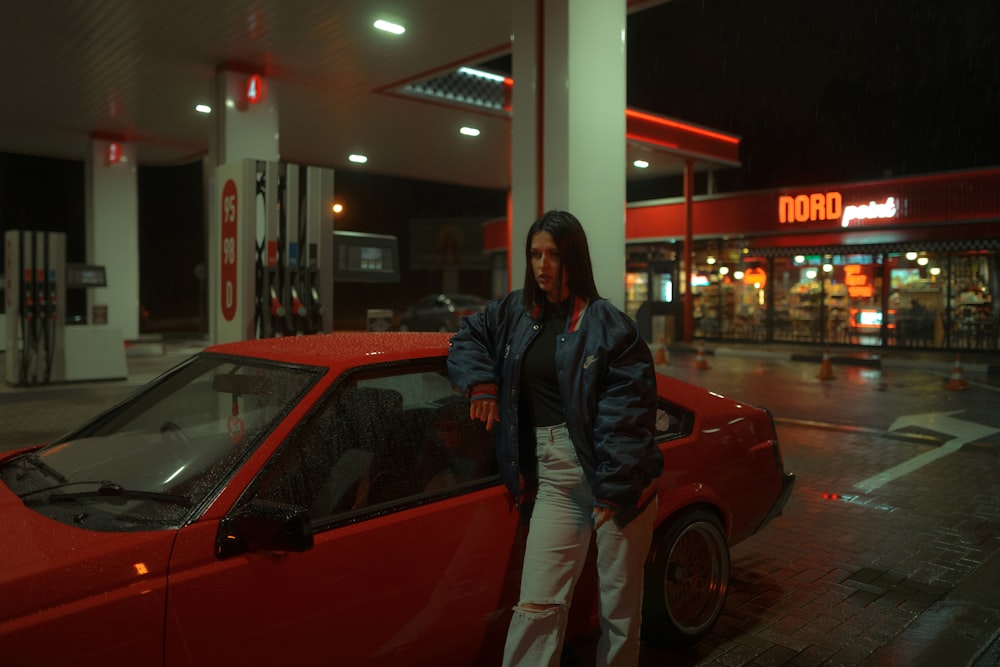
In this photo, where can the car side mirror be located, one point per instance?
(264, 526)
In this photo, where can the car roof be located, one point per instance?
(341, 350)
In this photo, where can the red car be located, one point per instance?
(268, 501)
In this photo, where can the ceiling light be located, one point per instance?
(469, 131)
(358, 158)
(640, 164)
(480, 73)
(203, 108)
(388, 26)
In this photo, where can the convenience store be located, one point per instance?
(907, 262)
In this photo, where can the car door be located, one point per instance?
(414, 540)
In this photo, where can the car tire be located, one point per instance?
(687, 578)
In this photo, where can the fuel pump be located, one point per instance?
(35, 266)
(271, 248)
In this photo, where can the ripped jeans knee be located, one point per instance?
(535, 635)
(539, 609)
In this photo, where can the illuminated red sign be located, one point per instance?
(857, 283)
(830, 206)
(810, 208)
(255, 89)
(227, 294)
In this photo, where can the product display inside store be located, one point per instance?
(908, 298)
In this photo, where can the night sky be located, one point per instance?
(826, 91)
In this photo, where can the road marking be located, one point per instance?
(961, 432)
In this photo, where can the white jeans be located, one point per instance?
(558, 540)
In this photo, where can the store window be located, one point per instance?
(917, 299)
(828, 299)
(972, 322)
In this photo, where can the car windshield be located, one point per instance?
(158, 458)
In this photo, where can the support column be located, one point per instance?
(112, 234)
(569, 128)
(688, 263)
(243, 131)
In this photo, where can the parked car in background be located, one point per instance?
(440, 312)
(267, 498)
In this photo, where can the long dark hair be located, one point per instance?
(574, 256)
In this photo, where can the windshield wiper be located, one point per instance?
(109, 490)
(37, 461)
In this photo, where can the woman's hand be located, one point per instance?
(485, 410)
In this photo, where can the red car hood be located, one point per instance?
(45, 564)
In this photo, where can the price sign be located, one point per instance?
(229, 255)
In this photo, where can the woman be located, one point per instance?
(572, 385)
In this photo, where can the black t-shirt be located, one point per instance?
(539, 380)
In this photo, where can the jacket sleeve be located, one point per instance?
(627, 456)
(473, 354)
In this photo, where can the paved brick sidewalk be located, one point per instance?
(837, 581)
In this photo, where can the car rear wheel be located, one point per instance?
(687, 577)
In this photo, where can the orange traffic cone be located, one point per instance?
(826, 368)
(957, 381)
(661, 358)
(699, 361)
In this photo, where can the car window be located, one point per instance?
(672, 421)
(382, 442)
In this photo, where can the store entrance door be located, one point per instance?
(660, 317)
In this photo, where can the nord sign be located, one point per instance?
(829, 206)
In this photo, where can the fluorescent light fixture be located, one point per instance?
(469, 131)
(358, 158)
(389, 26)
(640, 164)
(480, 73)
(203, 108)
